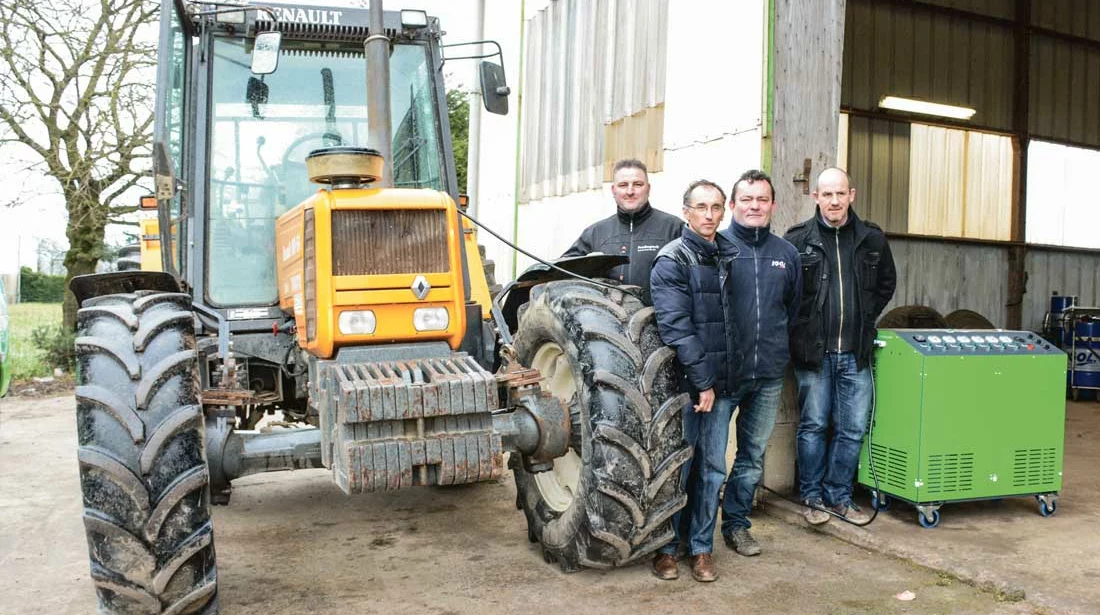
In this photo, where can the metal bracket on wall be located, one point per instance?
(804, 179)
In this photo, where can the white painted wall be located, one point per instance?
(714, 100)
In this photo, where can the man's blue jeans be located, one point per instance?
(841, 392)
(707, 433)
(759, 403)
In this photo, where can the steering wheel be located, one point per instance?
(306, 138)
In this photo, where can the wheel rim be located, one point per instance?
(559, 485)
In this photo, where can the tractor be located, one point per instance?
(339, 288)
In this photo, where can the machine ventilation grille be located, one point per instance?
(1034, 467)
(378, 242)
(891, 466)
(951, 472)
(309, 263)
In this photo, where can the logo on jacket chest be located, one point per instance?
(779, 264)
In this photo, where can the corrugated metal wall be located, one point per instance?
(951, 276)
(1065, 90)
(1068, 273)
(1074, 17)
(878, 161)
(913, 52)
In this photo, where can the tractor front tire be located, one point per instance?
(608, 502)
(143, 469)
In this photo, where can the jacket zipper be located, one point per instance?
(630, 252)
(756, 280)
(723, 277)
(840, 281)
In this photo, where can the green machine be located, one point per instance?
(965, 415)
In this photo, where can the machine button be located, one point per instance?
(920, 338)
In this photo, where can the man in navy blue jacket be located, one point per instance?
(765, 282)
(691, 317)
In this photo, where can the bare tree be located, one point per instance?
(76, 94)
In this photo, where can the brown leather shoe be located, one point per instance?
(702, 568)
(665, 567)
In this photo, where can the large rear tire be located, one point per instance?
(607, 502)
(142, 463)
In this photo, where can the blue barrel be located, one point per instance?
(1058, 304)
(1085, 370)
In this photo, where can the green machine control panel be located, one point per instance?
(965, 415)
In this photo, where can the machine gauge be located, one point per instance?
(950, 339)
(935, 339)
(963, 339)
(1005, 339)
(992, 339)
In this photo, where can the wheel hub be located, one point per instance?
(559, 485)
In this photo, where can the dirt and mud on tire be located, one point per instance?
(142, 464)
(609, 501)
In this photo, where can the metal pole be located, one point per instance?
(377, 51)
(473, 157)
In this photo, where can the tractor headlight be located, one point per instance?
(431, 319)
(357, 322)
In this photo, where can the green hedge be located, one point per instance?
(37, 287)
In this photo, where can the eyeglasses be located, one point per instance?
(703, 208)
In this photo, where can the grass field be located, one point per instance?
(26, 360)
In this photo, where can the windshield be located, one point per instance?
(263, 128)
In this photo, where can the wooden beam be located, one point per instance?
(1021, 115)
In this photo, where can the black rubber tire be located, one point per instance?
(626, 423)
(912, 317)
(967, 319)
(142, 463)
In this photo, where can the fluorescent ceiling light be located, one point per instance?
(926, 108)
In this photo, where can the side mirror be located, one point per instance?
(265, 52)
(494, 88)
(164, 173)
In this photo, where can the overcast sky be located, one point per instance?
(42, 212)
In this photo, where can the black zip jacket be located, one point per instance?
(765, 281)
(692, 311)
(875, 281)
(638, 235)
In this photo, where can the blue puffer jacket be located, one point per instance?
(691, 317)
(765, 283)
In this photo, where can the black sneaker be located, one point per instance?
(741, 540)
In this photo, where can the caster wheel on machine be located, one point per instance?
(929, 522)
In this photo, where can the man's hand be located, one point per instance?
(706, 401)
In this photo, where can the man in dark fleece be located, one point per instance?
(636, 230)
(691, 318)
(765, 281)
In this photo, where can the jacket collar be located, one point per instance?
(854, 223)
(636, 216)
(753, 236)
(695, 242)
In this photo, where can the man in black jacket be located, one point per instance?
(636, 230)
(762, 296)
(849, 278)
(691, 317)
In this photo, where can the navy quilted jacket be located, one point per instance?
(691, 314)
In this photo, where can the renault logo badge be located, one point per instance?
(421, 287)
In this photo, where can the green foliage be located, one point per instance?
(57, 345)
(27, 361)
(458, 111)
(40, 288)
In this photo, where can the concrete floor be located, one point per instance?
(1006, 544)
(291, 543)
